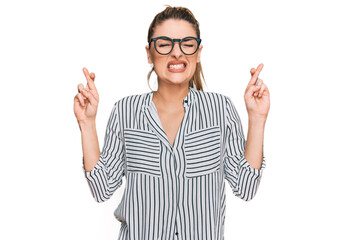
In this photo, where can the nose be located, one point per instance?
(176, 51)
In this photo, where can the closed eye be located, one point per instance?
(164, 45)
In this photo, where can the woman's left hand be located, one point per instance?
(257, 98)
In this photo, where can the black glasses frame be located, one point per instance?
(198, 40)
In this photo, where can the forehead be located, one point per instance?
(174, 28)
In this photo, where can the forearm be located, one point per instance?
(90, 145)
(254, 144)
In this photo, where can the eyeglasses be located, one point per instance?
(164, 45)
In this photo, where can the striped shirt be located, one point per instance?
(173, 192)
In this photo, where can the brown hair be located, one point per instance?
(182, 14)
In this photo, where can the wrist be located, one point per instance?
(258, 121)
(87, 125)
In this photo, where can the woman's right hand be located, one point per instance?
(86, 101)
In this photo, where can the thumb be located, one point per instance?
(251, 89)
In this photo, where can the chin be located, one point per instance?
(178, 78)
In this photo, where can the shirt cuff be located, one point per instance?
(97, 167)
(256, 171)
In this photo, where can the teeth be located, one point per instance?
(179, 66)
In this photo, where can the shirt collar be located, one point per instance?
(187, 101)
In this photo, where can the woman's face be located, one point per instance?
(176, 67)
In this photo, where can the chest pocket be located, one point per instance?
(142, 152)
(202, 151)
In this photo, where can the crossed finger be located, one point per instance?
(252, 71)
(255, 75)
(90, 79)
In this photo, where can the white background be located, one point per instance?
(311, 187)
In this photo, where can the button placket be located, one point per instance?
(180, 135)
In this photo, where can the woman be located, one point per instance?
(175, 146)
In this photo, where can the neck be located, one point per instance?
(171, 94)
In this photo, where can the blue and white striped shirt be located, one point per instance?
(173, 192)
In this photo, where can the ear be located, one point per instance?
(199, 53)
(149, 58)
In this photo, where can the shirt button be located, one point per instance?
(176, 233)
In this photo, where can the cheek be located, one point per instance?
(193, 63)
(159, 61)
(158, 64)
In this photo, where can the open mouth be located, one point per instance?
(176, 65)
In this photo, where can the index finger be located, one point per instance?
(86, 73)
(90, 82)
(256, 74)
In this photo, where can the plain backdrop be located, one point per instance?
(311, 187)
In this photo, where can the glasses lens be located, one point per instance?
(189, 45)
(163, 45)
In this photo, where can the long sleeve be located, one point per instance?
(106, 176)
(243, 179)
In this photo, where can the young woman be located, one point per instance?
(175, 146)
